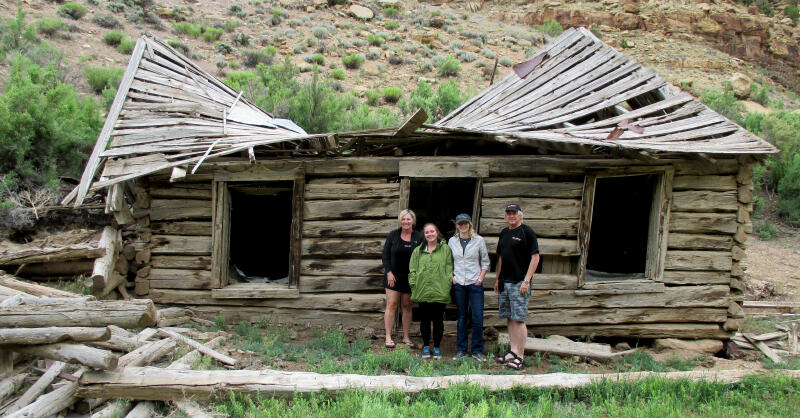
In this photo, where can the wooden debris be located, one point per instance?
(148, 353)
(199, 347)
(126, 314)
(37, 388)
(114, 409)
(567, 348)
(764, 349)
(185, 362)
(51, 335)
(145, 409)
(10, 384)
(71, 353)
(32, 288)
(111, 243)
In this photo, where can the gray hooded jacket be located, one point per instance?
(468, 262)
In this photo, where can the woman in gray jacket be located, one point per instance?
(470, 264)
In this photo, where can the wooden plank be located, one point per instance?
(181, 228)
(711, 296)
(432, 169)
(220, 234)
(175, 209)
(698, 260)
(556, 264)
(344, 267)
(704, 201)
(70, 353)
(51, 335)
(534, 208)
(255, 291)
(261, 171)
(306, 317)
(224, 359)
(327, 247)
(659, 224)
(349, 209)
(712, 183)
(699, 241)
(541, 281)
(296, 228)
(703, 223)
(677, 277)
(648, 330)
(349, 228)
(355, 166)
(200, 191)
(547, 246)
(180, 245)
(352, 191)
(516, 189)
(179, 279)
(553, 228)
(620, 287)
(316, 284)
(405, 194)
(347, 180)
(349, 302)
(188, 262)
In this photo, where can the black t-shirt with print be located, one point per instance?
(516, 247)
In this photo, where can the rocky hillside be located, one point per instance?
(696, 45)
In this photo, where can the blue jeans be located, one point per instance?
(466, 297)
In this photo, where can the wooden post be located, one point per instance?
(220, 234)
(295, 243)
(110, 241)
(585, 225)
(405, 193)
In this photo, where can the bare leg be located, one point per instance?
(517, 333)
(392, 300)
(405, 304)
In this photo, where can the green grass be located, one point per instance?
(114, 37)
(762, 396)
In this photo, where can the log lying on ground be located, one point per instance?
(50, 403)
(29, 255)
(120, 340)
(52, 335)
(57, 268)
(186, 362)
(37, 388)
(199, 347)
(46, 300)
(126, 314)
(10, 384)
(157, 384)
(565, 348)
(148, 353)
(114, 409)
(169, 317)
(71, 353)
(33, 289)
(143, 410)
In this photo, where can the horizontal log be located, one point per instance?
(181, 228)
(704, 201)
(148, 352)
(70, 353)
(51, 335)
(316, 317)
(698, 260)
(199, 347)
(179, 279)
(349, 209)
(33, 289)
(622, 287)
(343, 267)
(541, 281)
(326, 247)
(352, 191)
(516, 189)
(314, 284)
(425, 168)
(534, 208)
(30, 255)
(357, 166)
(174, 209)
(550, 228)
(261, 171)
(547, 246)
(648, 330)
(350, 228)
(125, 314)
(703, 223)
(565, 348)
(714, 183)
(180, 245)
(188, 262)
(156, 384)
(586, 316)
(255, 291)
(200, 191)
(677, 277)
(713, 296)
(699, 241)
(347, 302)
(55, 268)
(346, 180)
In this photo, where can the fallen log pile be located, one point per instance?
(776, 346)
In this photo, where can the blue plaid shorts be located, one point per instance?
(511, 304)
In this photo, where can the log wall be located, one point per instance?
(350, 205)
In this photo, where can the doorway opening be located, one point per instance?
(260, 237)
(439, 201)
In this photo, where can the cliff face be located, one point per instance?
(770, 42)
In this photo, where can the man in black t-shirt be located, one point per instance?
(518, 258)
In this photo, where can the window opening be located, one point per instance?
(439, 201)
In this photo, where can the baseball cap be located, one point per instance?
(463, 217)
(513, 207)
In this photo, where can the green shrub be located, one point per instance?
(375, 40)
(765, 230)
(178, 45)
(240, 39)
(724, 103)
(488, 53)
(391, 24)
(211, 34)
(373, 97)
(792, 12)
(106, 20)
(760, 94)
(392, 94)
(72, 10)
(320, 32)
(390, 12)
(126, 46)
(550, 28)
(235, 9)
(187, 28)
(466, 56)
(505, 61)
(114, 37)
(436, 104)
(222, 48)
(449, 67)
(338, 74)
(789, 192)
(50, 26)
(231, 25)
(353, 61)
(16, 34)
(253, 57)
(102, 77)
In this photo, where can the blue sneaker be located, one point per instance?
(426, 352)
(437, 354)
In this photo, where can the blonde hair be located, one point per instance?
(471, 232)
(439, 236)
(405, 212)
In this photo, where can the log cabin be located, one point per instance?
(640, 195)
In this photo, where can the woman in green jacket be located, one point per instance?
(430, 274)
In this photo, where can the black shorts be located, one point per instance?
(400, 284)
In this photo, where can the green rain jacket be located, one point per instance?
(431, 274)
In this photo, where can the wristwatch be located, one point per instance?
(527, 281)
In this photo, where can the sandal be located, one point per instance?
(389, 344)
(517, 363)
(504, 358)
(409, 344)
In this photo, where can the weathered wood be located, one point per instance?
(255, 291)
(699, 241)
(116, 205)
(352, 191)
(517, 189)
(551, 228)
(620, 288)
(349, 228)
(151, 383)
(50, 403)
(347, 180)
(585, 225)
(147, 353)
(712, 296)
(658, 227)
(14, 300)
(120, 340)
(712, 183)
(29, 255)
(677, 277)
(181, 228)
(704, 201)
(326, 247)
(37, 388)
(534, 208)
(70, 353)
(454, 169)
(188, 359)
(698, 260)
(34, 289)
(352, 302)
(261, 171)
(405, 194)
(179, 279)
(565, 348)
(114, 409)
(315, 284)
(114, 281)
(9, 385)
(703, 223)
(56, 268)
(547, 246)
(51, 335)
(180, 245)
(188, 262)
(647, 330)
(357, 166)
(125, 314)
(200, 191)
(306, 317)
(220, 234)
(763, 348)
(343, 267)
(349, 209)
(296, 228)
(541, 281)
(199, 347)
(586, 316)
(176, 209)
